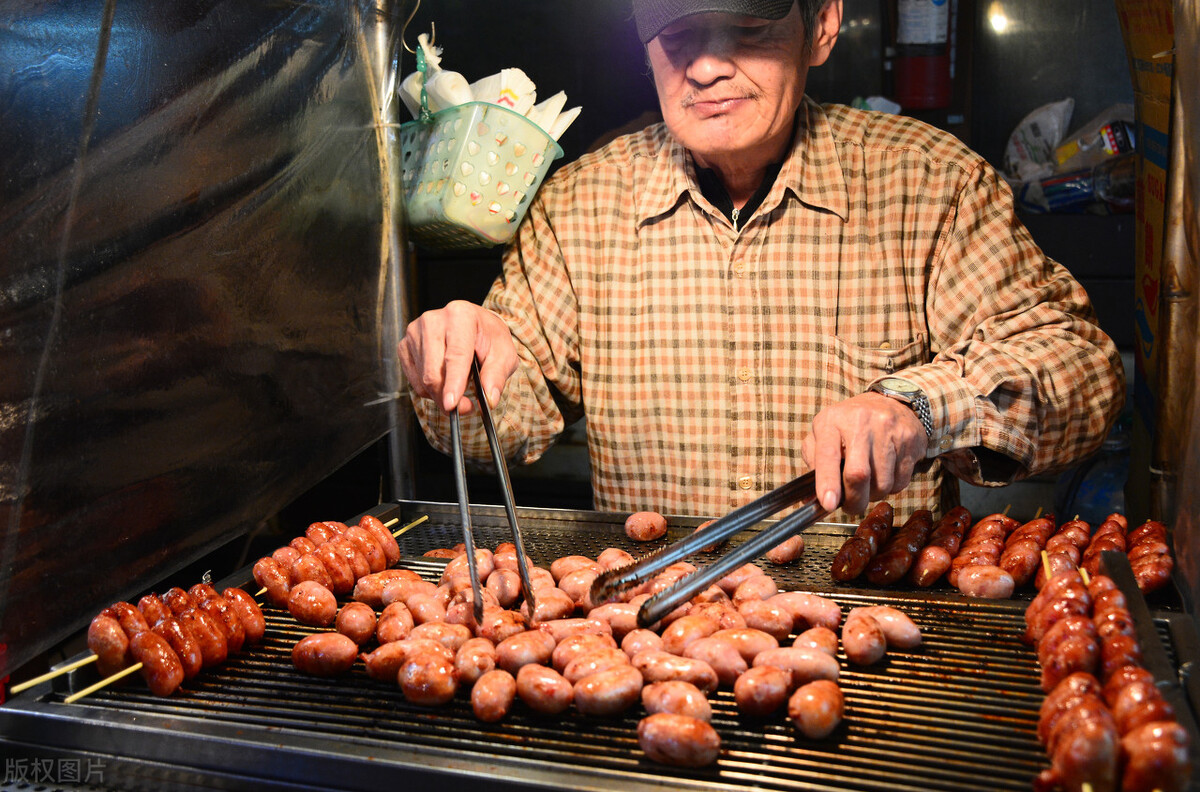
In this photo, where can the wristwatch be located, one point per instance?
(910, 394)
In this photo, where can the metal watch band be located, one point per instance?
(920, 406)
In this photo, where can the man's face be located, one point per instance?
(730, 85)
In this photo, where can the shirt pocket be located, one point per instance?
(850, 367)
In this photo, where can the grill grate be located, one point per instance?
(959, 712)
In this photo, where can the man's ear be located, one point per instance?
(825, 32)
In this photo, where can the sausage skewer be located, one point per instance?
(387, 524)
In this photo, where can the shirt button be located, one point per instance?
(739, 269)
(745, 482)
(744, 374)
(946, 442)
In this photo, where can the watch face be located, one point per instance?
(894, 384)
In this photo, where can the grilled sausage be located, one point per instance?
(500, 624)
(721, 655)
(620, 616)
(678, 740)
(608, 692)
(1156, 758)
(348, 550)
(179, 600)
(340, 574)
(563, 628)
(816, 709)
(310, 567)
(383, 536)
(459, 565)
(645, 526)
(809, 610)
(868, 538)
(492, 695)
(820, 638)
(1075, 653)
(401, 589)
(186, 648)
(565, 565)
(762, 690)
(369, 546)
(680, 698)
(285, 556)
(319, 533)
(730, 583)
(573, 646)
(786, 552)
(768, 617)
(384, 663)
(109, 643)
(227, 619)
(933, 561)
(544, 689)
(202, 592)
(153, 609)
(131, 619)
(805, 665)
(505, 584)
(214, 648)
(659, 666)
(530, 647)
(451, 636)
(758, 587)
(370, 589)
(425, 608)
(578, 586)
(311, 603)
(863, 640)
(303, 544)
(894, 560)
(986, 581)
(395, 623)
(593, 662)
(749, 643)
(1086, 757)
(248, 613)
(552, 603)
(428, 679)
(613, 557)
(685, 630)
(161, 667)
(638, 640)
(901, 632)
(476, 657)
(356, 621)
(1139, 703)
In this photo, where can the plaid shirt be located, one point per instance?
(700, 354)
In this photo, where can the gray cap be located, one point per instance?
(654, 15)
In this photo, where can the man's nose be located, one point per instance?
(712, 59)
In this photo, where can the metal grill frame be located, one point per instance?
(904, 728)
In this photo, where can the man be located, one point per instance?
(761, 285)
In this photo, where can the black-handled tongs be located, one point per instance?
(460, 480)
(615, 582)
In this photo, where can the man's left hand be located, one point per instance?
(863, 449)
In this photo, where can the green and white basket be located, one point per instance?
(470, 172)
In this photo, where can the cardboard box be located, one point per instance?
(1149, 32)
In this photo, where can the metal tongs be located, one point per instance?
(460, 480)
(612, 583)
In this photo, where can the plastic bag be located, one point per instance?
(1109, 134)
(1029, 155)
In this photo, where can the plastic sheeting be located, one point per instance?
(195, 322)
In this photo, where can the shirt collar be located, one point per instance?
(812, 171)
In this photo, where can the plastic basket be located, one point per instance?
(470, 172)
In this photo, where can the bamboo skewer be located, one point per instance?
(124, 672)
(15, 689)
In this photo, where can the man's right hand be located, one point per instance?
(437, 349)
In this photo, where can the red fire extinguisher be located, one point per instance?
(924, 53)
